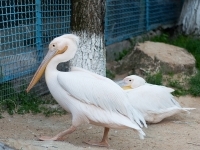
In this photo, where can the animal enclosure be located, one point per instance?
(127, 18)
(27, 27)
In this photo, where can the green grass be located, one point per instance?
(179, 87)
(121, 55)
(194, 85)
(22, 103)
(190, 85)
(5, 90)
(191, 44)
(125, 51)
(154, 78)
(109, 74)
(49, 111)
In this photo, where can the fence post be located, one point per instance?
(12, 13)
(147, 14)
(39, 30)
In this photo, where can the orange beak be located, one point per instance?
(43, 65)
(126, 87)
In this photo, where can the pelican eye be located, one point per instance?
(53, 45)
(129, 80)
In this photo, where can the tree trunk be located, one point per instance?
(190, 17)
(87, 23)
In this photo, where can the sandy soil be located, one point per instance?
(181, 131)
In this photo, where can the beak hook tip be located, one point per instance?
(27, 90)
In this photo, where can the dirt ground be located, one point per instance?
(181, 131)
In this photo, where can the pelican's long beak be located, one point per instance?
(43, 65)
(124, 85)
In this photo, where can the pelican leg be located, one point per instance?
(104, 141)
(59, 136)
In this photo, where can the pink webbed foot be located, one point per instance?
(104, 141)
(60, 136)
(47, 138)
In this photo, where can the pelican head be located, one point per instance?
(133, 81)
(62, 49)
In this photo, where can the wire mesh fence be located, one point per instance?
(26, 28)
(128, 18)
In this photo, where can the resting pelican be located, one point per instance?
(89, 97)
(154, 101)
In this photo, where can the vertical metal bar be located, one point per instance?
(12, 13)
(39, 29)
(147, 14)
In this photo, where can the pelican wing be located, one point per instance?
(167, 89)
(152, 98)
(97, 76)
(92, 90)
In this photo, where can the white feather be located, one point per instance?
(154, 101)
(90, 98)
(103, 96)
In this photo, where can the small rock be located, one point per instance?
(153, 57)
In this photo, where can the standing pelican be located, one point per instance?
(154, 101)
(89, 97)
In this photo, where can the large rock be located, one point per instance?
(152, 57)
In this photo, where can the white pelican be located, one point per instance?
(89, 97)
(133, 81)
(154, 101)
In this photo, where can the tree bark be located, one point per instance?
(88, 23)
(190, 17)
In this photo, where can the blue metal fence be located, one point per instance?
(128, 18)
(26, 28)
